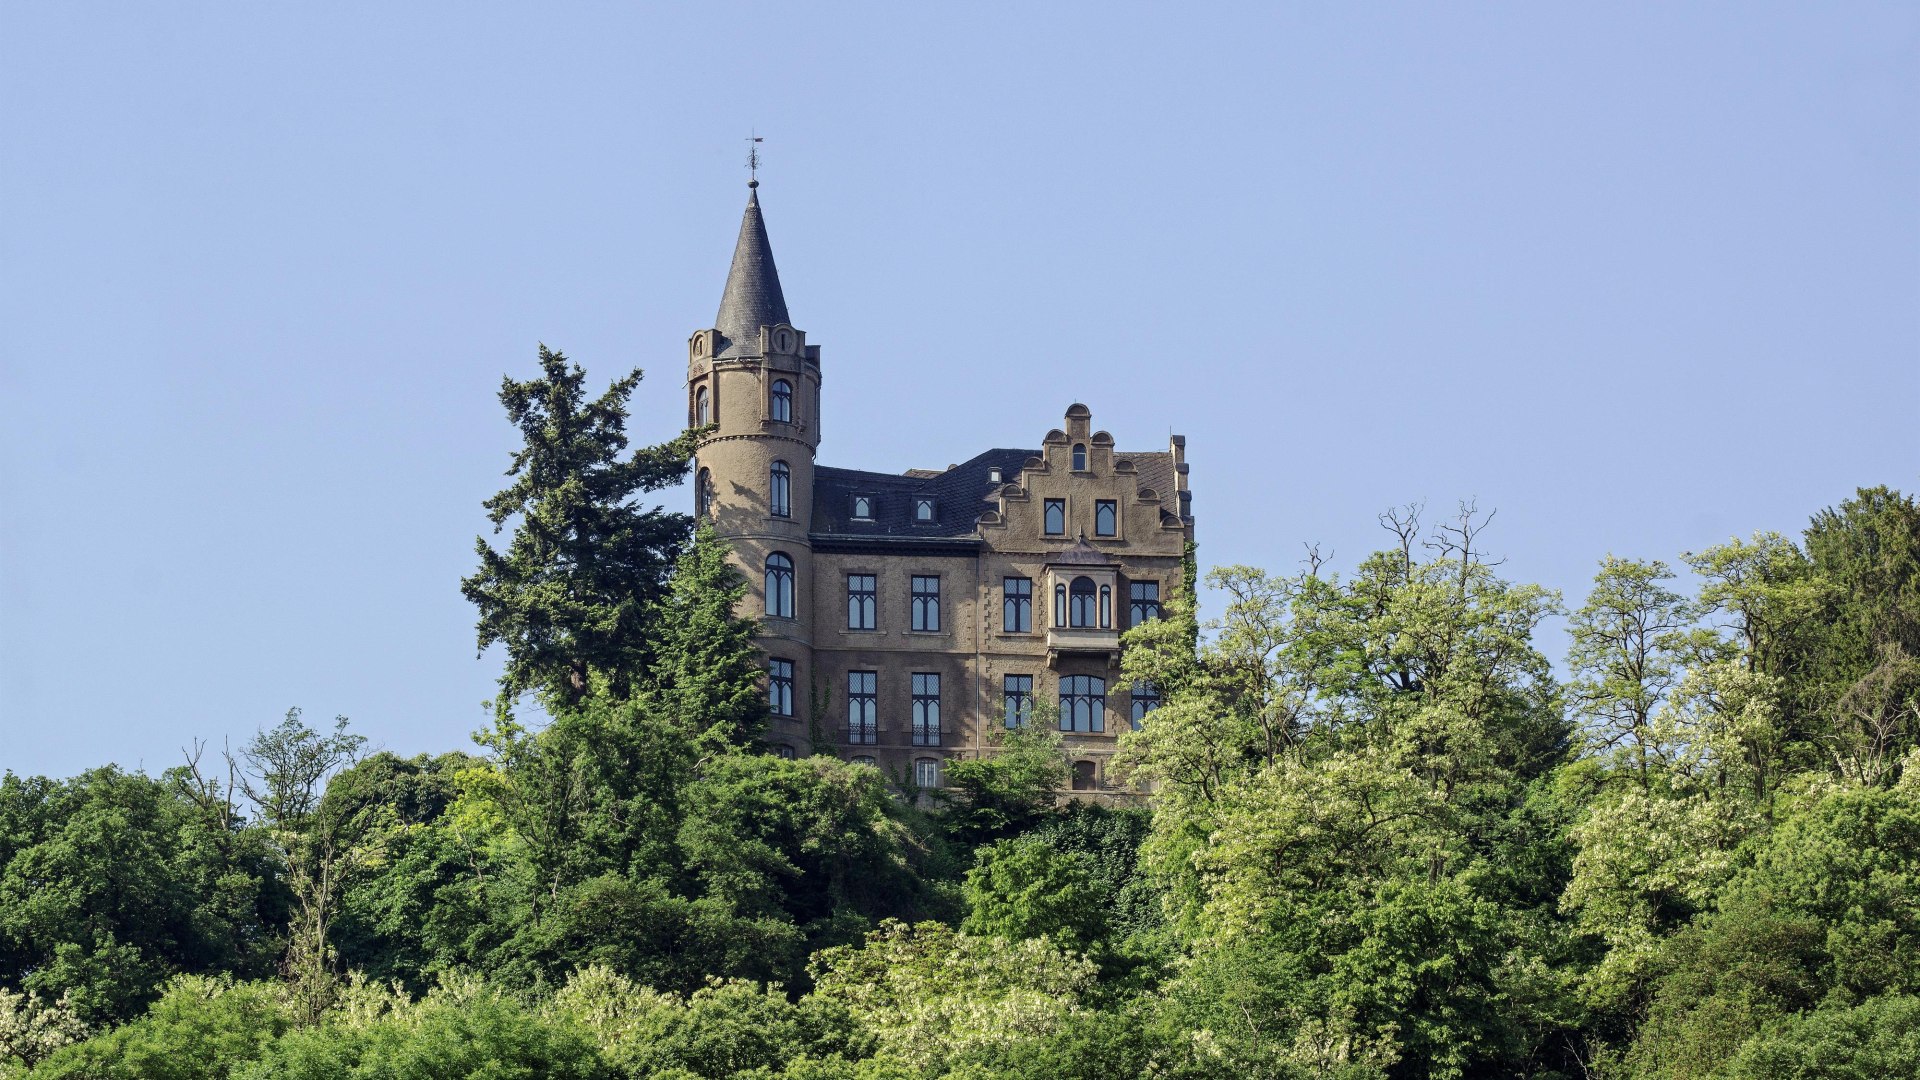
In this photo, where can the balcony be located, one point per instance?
(1082, 640)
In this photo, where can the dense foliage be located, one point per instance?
(1384, 840)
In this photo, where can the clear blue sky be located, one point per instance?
(1642, 277)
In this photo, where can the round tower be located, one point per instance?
(754, 383)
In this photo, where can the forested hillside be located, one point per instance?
(1384, 838)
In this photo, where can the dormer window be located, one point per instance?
(923, 510)
(783, 401)
(1079, 457)
(993, 476)
(863, 508)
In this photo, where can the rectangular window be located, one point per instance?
(1106, 518)
(1083, 703)
(926, 772)
(926, 603)
(923, 511)
(1146, 602)
(1016, 609)
(926, 709)
(1056, 514)
(1146, 698)
(1017, 692)
(861, 603)
(780, 687)
(863, 725)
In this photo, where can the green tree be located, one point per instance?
(707, 675)
(571, 595)
(200, 1029)
(1025, 889)
(1628, 643)
(111, 883)
(1001, 793)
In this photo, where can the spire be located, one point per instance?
(753, 298)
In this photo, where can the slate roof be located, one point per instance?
(752, 298)
(960, 494)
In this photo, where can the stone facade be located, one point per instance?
(891, 605)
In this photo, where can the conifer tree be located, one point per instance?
(570, 595)
(707, 675)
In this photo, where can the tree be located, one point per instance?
(999, 794)
(283, 772)
(1025, 889)
(571, 595)
(707, 676)
(111, 883)
(1628, 642)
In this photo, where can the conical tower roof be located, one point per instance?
(753, 298)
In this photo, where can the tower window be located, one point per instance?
(1145, 597)
(863, 725)
(1016, 693)
(863, 508)
(1106, 518)
(780, 687)
(861, 601)
(780, 490)
(926, 709)
(926, 772)
(703, 492)
(702, 408)
(923, 509)
(779, 586)
(1146, 698)
(1056, 517)
(1082, 595)
(1016, 607)
(784, 752)
(1083, 703)
(1079, 457)
(783, 401)
(926, 603)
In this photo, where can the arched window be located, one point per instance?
(862, 508)
(780, 490)
(703, 493)
(783, 400)
(922, 509)
(1059, 605)
(1083, 703)
(1106, 517)
(779, 586)
(783, 750)
(1083, 776)
(1079, 457)
(702, 408)
(1106, 607)
(1082, 597)
(926, 772)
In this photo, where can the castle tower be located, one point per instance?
(755, 382)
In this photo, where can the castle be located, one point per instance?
(907, 616)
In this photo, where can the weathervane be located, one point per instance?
(753, 160)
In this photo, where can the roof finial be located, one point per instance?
(753, 159)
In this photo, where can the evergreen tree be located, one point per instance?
(570, 596)
(707, 676)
